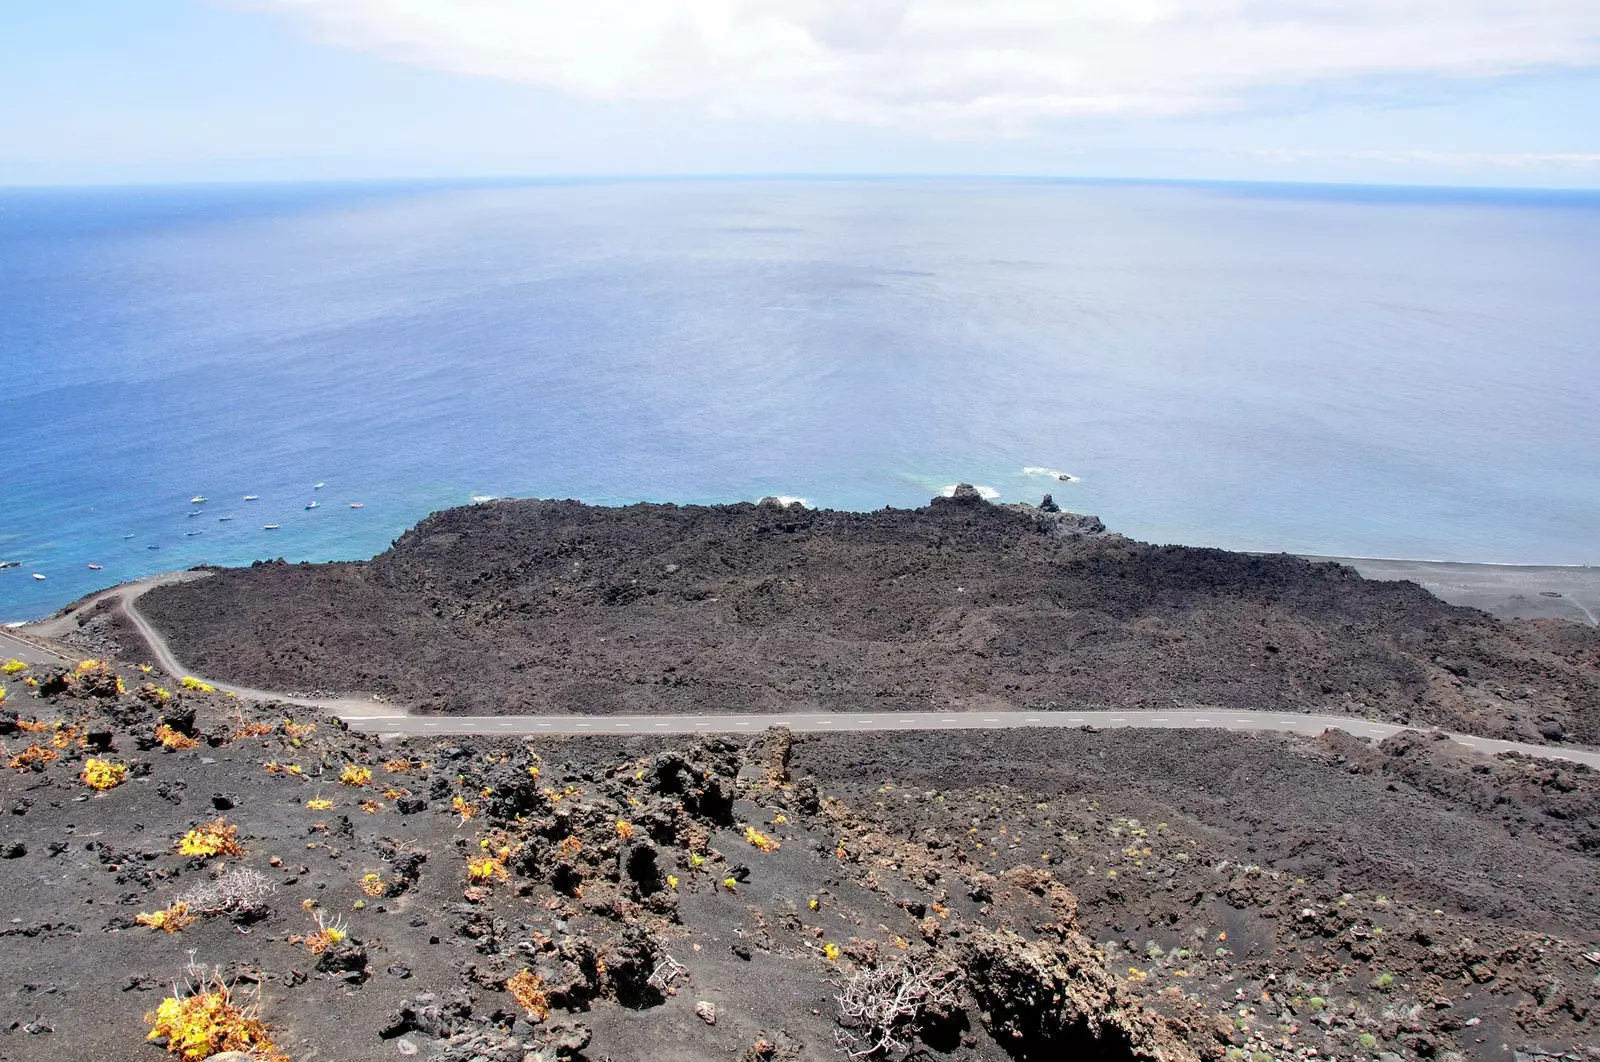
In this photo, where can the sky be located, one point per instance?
(1432, 92)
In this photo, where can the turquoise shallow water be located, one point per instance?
(1338, 371)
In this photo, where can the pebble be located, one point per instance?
(405, 1047)
(706, 1011)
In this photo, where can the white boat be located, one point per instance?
(220, 519)
(39, 577)
(197, 499)
(269, 527)
(94, 567)
(319, 486)
(313, 505)
(127, 536)
(195, 513)
(10, 564)
(355, 505)
(191, 534)
(252, 497)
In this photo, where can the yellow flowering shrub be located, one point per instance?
(372, 885)
(103, 774)
(297, 731)
(353, 775)
(171, 919)
(760, 840)
(211, 839)
(485, 869)
(831, 952)
(319, 804)
(208, 1023)
(527, 988)
(329, 935)
(189, 682)
(12, 666)
(33, 758)
(626, 831)
(175, 740)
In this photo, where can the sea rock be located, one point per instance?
(966, 494)
(1050, 519)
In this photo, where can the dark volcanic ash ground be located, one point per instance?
(1119, 895)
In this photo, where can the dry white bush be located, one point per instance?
(877, 1005)
(239, 890)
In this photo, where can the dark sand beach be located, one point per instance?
(1506, 591)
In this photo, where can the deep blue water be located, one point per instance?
(1341, 371)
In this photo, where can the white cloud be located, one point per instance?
(958, 65)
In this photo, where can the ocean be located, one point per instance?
(1341, 371)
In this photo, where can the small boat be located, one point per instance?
(319, 486)
(313, 505)
(220, 519)
(197, 499)
(10, 564)
(355, 505)
(94, 567)
(152, 547)
(127, 536)
(269, 527)
(195, 513)
(191, 534)
(252, 497)
(39, 577)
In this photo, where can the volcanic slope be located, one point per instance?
(560, 607)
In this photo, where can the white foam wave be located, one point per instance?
(988, 493)
(789, 499)
(481, 498)
(1053, 473)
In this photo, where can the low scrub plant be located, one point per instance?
(760, 840)
(189, 682)
(12, 666)
(329, 935)
(211, 839)
(527, 988)
(208, 1021)
(237, 891)
(33, 758)
(485, 869)
(353, 775)
(173, 918)
(175, 740)
(101, 775)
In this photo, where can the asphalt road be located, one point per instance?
(13, 646)
(508, 725)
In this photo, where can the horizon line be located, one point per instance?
(514, 180)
